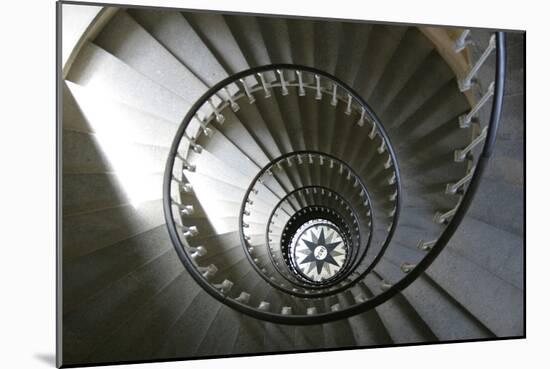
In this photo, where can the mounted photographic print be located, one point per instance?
(241, 184)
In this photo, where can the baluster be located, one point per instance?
(426, 245)
(184, 209)
(186, 165)
(318, 95)
(185, 187)
(388, 162)
(189, 231)
(207, 131)
(265, 85)
(251, 98)
(194, 146)
(264, 305)
(209, 271)
(311, 310)
(301, 89)
(361, 120)
(441, 218)
(336, 307)
(407, 267)
(460, 155)
(382, 147)
(393, 196)
(224, 287)
(334, 100)
(197, 252)
(463, 40)
(243, 298)
(286, 310)
(234, 106)
(372, 132)
(384, 286)
(466, 83)
(219, 117)
(284, 89)
(453, 187)
(465, 120)
(348, 106)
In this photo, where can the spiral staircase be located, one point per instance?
(245, 184)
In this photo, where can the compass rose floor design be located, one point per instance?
(318, 250)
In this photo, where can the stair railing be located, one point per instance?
(311, 311)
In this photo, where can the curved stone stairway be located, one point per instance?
(126, 294)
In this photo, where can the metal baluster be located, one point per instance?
(185, 187)
(251, 98)
(264, 85)
(186, 165)
(348, 107)
(466, 83)
(441, 218)
(219, 117)
(361, 121)
(209, 271)
(207, 131)
(318, 95)
(184, 209)
(197, 252)
(264, 305)
(284, 89)
(463, 40)
(465, 120)
(388, 162)
(301, 89)
(334, 100)
(224, 287)
(453, 187)
(189, 231)
(460, 155)
(234, 106)
(426, 245)
(243, 298)
(407, 267)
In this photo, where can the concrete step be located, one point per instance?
(87, 112)
(499, 204)
(385, 40)
(87, 232)
(126, 39)
(445, 316)
(493, 249)
(144, 331)
(104, 74)
(412, 51)
(87, 275)
(108, 309)
(496, 303)
(89, 153)
(86, 192)
(173, 31)
(247, 34)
